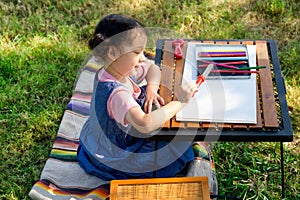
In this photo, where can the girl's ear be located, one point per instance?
(113, 53)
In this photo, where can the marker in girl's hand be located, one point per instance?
(201, 78)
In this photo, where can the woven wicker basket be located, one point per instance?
(160, 189)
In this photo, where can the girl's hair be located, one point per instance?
(112, 25)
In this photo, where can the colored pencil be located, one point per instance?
(222, 54)
(234, 71)
(235, 63)
(257, 67)
(242, 68)
(226, 63)
(222, 50)
(219, 64)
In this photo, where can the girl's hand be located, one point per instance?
(186, 92)
(152, 97)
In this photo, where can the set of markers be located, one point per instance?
(230, 61)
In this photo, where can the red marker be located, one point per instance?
(201, 78)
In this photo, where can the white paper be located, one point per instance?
(220, 100)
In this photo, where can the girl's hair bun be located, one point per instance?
(98, 38)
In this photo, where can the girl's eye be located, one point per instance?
(138, 52)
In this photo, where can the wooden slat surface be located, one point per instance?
(266, 85)
(234, 42)
(179, 64)
(167, 70)
(221, 42)
(208, 42)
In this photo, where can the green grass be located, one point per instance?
(42, 47)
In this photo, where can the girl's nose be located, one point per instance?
(142, 58)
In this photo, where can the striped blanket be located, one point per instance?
(62, 178)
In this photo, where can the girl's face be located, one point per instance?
(132, 54)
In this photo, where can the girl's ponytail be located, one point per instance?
(98, 38)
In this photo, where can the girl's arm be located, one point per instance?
(153, 77)
(148, 122)
(154, 74)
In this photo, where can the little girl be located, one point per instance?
(113, 141)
